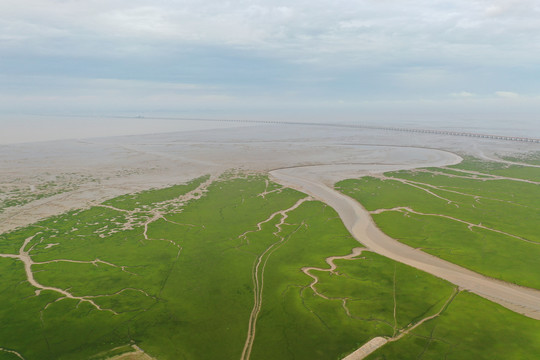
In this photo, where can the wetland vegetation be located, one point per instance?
(240, 267)
(482, 216)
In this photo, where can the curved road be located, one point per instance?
(360, 224)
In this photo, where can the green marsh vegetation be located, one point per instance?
(480, 215)
(175, 271)
(470, 328)
(504, 200)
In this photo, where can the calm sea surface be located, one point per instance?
(16, 129)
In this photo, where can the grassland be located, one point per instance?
(470, 328)
(479, 215)
(182, 272)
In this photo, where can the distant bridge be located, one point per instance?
(457, 133)
(355, 126)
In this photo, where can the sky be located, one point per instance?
(363, 60)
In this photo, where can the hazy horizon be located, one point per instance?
(23, 129)
(296, 60)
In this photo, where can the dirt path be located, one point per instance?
(136, 354)
(367, 349)
(258, 273)
(360, 224)
(379, 341)
(12, 352)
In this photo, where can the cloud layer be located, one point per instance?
(73, 56)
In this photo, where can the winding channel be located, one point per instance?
(358, 221)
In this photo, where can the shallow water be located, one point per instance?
(17, 129)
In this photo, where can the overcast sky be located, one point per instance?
(272, 59)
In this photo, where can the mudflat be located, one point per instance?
(44, 179)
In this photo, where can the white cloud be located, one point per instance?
(75, 95)
(367, 49)
(509, 8)
(507, 94)
(463, 94)
(345, 31)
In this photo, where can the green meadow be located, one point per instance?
(480, 215)
(471, 328)
(175, 271)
